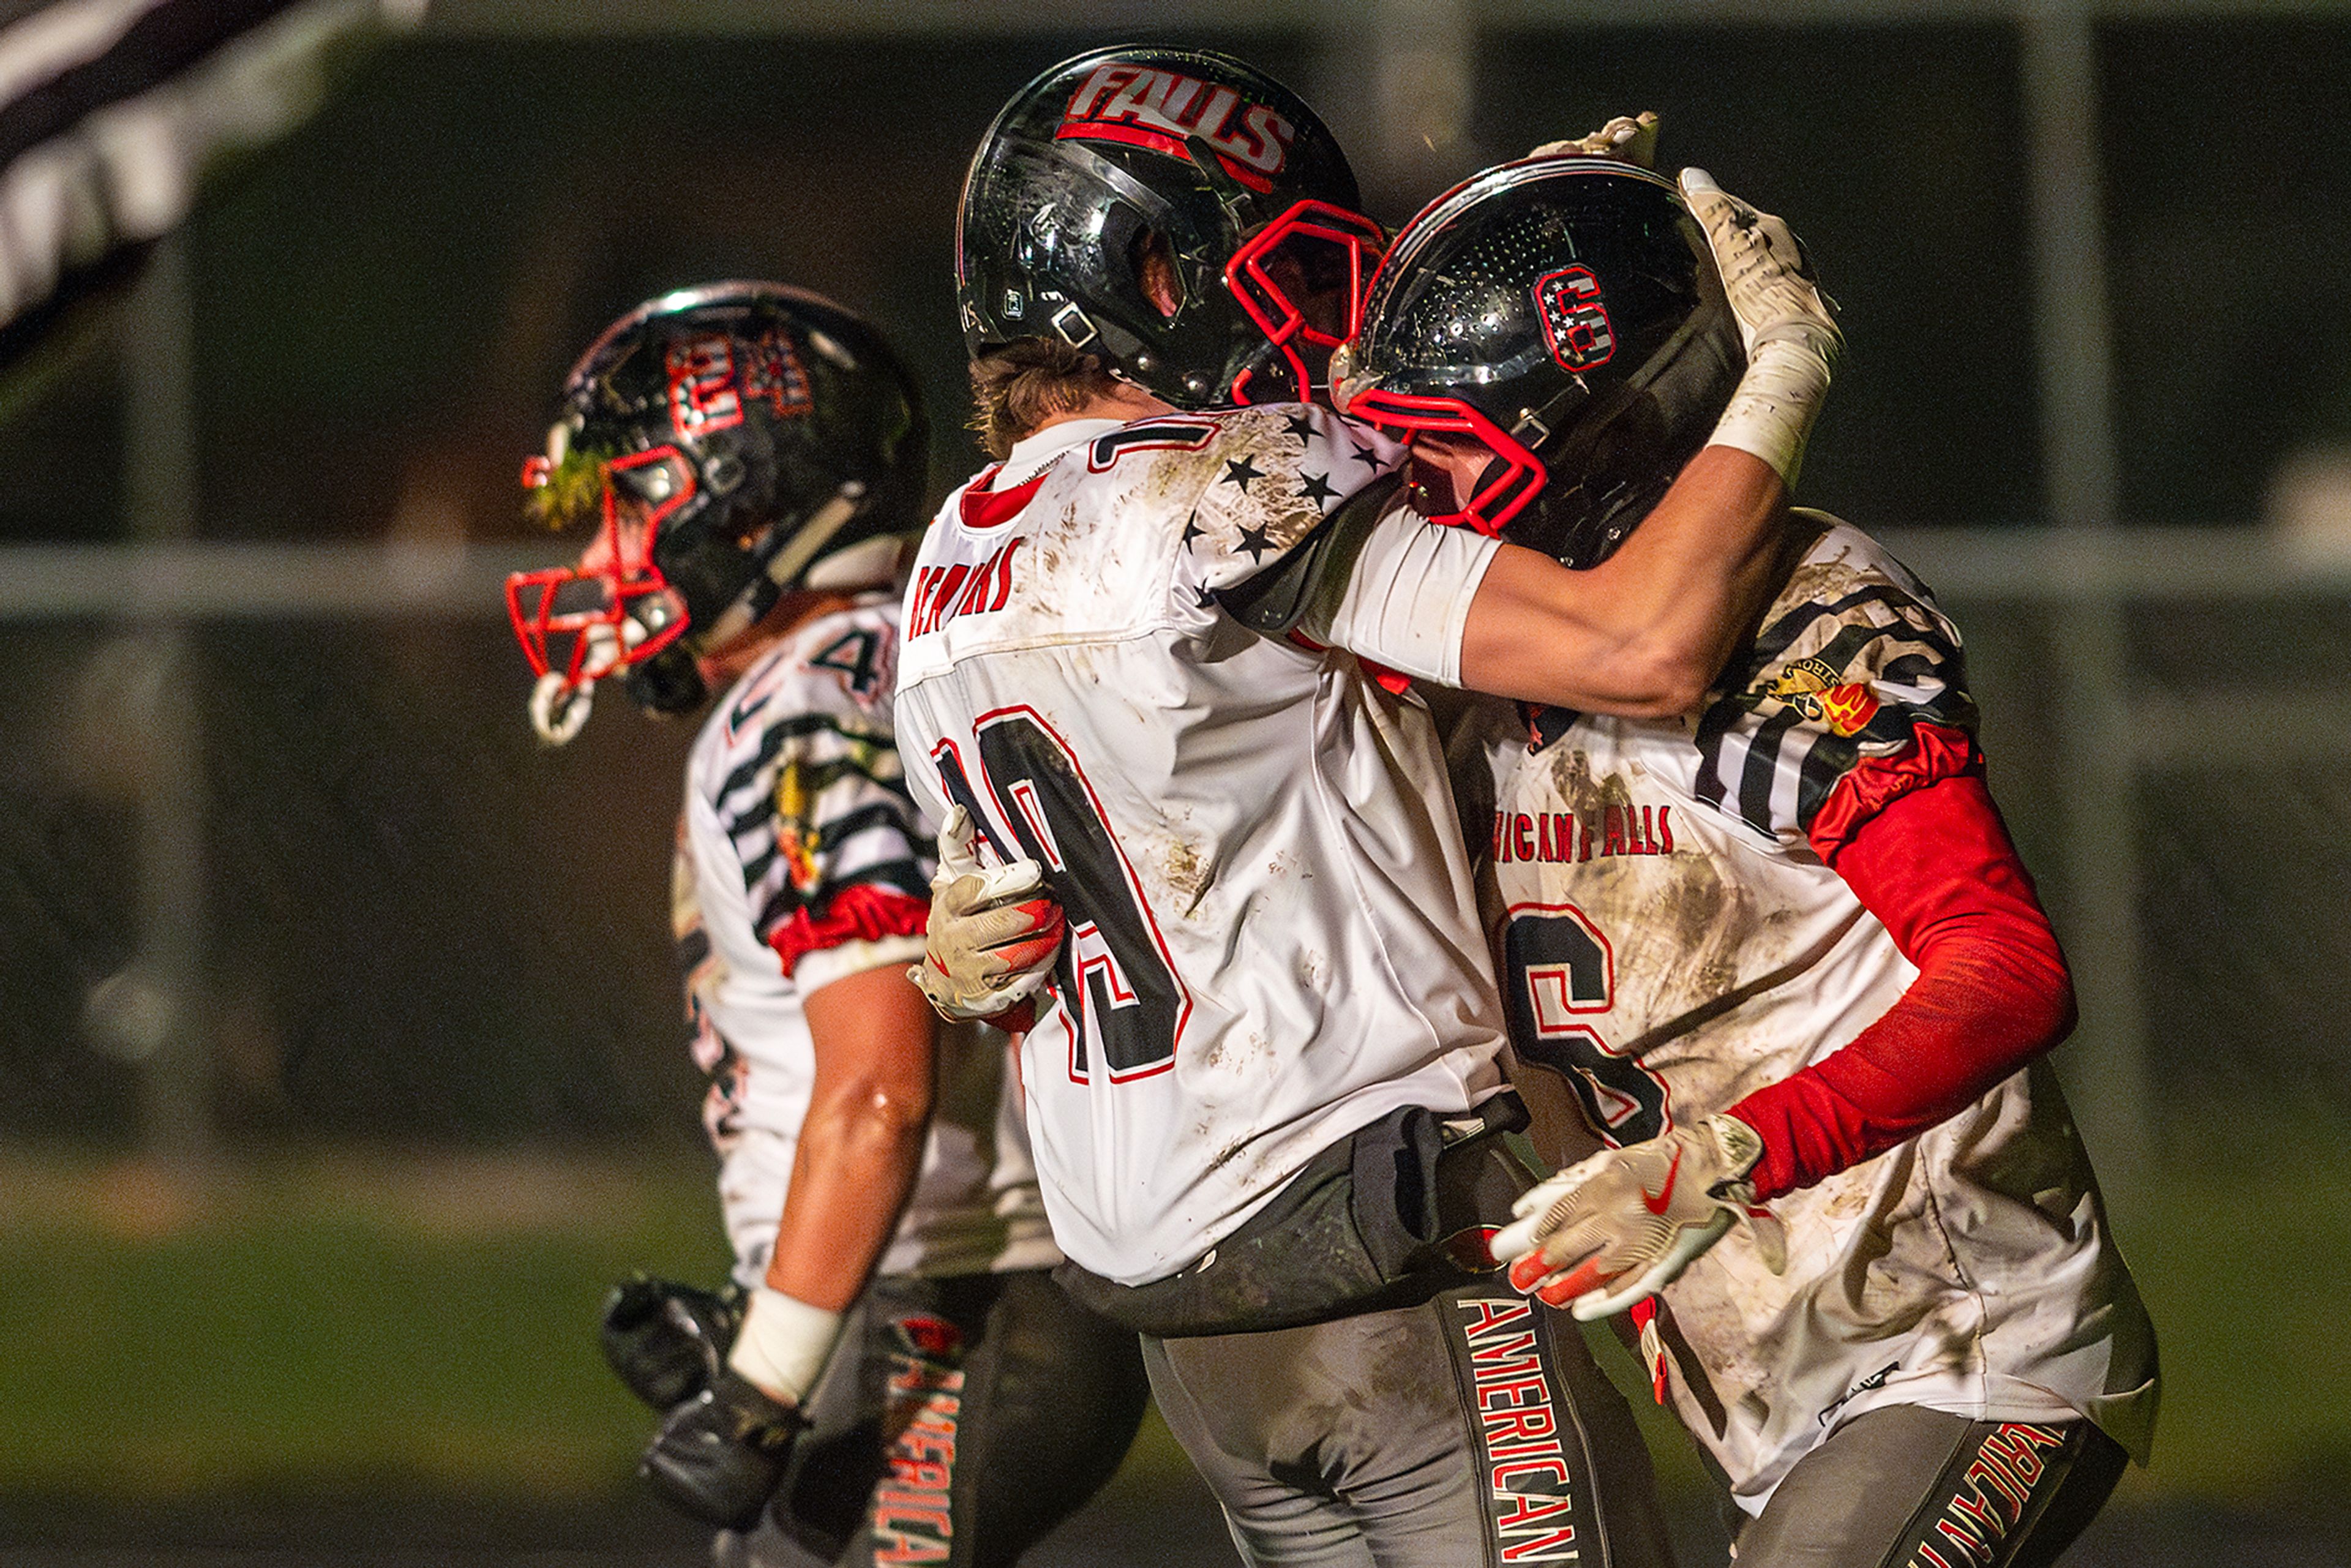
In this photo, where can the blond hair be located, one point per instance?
(1018, 387)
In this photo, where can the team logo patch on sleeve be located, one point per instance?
(1813, 688)
(796, 835)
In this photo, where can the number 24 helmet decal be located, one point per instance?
(1564, 313)
(1176, 212)
(732, 442)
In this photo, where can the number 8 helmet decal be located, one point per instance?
(731, 442)
(1565, 314)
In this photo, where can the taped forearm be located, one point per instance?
(1992, 992)
(1407, 600)
(1771, 411)
(783, 1344)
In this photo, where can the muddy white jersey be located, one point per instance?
(801, 860)
(1273, 938)
(1673, 941)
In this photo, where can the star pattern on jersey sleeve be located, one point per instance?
(1316, 487)
(1365, 454)
(1204, 596)
(1256, 541)
(1240, 471)
(1191, 528)
(1298, 425)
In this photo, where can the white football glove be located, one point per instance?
(1628, 138)
(1623, 1225)
(991, 942)
(1764, 271)
(1791, 342)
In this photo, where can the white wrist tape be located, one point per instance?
(1772, 412)
(783, 1343)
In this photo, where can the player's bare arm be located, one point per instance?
(862, 1144)
(1643, 633)
(1643, 626)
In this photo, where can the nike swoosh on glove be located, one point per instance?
(992, 939)
(1623, 1224)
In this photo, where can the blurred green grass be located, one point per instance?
(322, 1322)
(425, 1324)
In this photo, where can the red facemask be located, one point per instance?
(1301, 278)
(1498, 497)
(630, 614)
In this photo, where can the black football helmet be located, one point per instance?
(1566, 313)
(765, 433)
(1185, 159)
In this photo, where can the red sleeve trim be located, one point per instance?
(857, 913)
(1935, 864)
(981, 507)
(1936, 752)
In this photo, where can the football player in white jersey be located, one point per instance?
(1782, 950)
(1263, 1081)
(754, 459)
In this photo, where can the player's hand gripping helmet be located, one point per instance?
(1567, 314)
(1176, 212)
(734, 442)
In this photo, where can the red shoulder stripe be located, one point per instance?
(1874, 783)
(861, 912)
(982, 508)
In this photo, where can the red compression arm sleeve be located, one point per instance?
(1937, 867)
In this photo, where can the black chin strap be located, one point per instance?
(668, 683)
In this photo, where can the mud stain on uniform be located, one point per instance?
(1187, 874)
(1671, 919)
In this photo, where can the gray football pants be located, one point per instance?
(959, 1421)
(1473, 1428)
(1907, 1488)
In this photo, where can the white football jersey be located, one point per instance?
(1673, 942)
(1273, 936)
(801, 860)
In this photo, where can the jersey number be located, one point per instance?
(852, 656)
(1113, 978)
(1561, 966)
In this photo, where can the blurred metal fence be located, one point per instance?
(2113, 728)
(2080, 579)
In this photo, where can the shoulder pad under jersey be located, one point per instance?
(1274, 601)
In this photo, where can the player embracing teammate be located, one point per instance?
(1154, 668)
(1782, 950)
(1764, 921)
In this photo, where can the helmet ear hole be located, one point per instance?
(722, 471)
(1152, 256)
